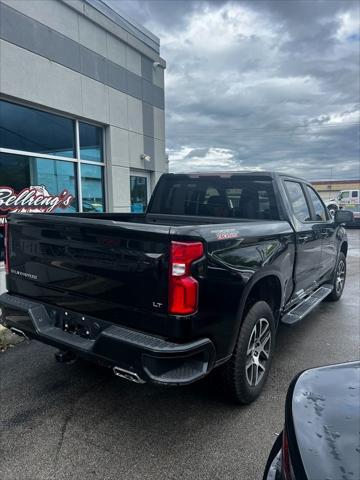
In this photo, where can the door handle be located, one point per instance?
(304, 238)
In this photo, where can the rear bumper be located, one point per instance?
(150, 358)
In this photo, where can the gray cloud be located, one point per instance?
(270, 85)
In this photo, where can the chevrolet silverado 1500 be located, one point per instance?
(200, 281)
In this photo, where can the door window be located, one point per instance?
(320, 210)
(354, 194)
(298, 201)
(138, 193)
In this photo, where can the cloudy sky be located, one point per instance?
(259, 84)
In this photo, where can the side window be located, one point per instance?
(354, 194)
(298, 201)
(320, 210)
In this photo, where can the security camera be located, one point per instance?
(146, 158)
(158, 64)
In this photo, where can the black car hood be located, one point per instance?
(326, 418)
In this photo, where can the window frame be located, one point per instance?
(76, 159)
(309, 206)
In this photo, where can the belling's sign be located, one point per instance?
(31, 200)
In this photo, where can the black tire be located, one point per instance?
(236, 373)
(338, 288)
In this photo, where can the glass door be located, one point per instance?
(139, 191)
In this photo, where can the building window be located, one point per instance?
(138, 193)
(19, 172)
(92, 188)
(42, 154)
(30, 130)
(32, 143)
(91, 142)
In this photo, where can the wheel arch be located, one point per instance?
(267, 287)
(344, 248)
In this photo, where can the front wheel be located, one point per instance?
(245, 374)
(339, 279)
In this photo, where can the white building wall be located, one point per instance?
(70, 81)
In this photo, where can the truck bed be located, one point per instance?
(114, 266)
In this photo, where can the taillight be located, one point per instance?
(287, 470)
(183, 288)
(7, 247)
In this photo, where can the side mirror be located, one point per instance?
(343, 216)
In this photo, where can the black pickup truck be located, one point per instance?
(201, 280)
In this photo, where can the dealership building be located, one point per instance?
(82, 124)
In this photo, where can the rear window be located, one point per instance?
(237, 197)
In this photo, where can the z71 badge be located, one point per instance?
(226, 234)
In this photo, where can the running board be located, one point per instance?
(307, 305)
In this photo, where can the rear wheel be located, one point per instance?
(339, 279)
(245, 374)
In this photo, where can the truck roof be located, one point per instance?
(271, 174)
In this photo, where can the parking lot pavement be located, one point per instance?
(79, 422)
(354, 242)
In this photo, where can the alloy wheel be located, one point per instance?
(258, 352)
(340, 277)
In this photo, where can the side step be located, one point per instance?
(308, 304)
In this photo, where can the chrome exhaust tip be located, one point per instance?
(19, 332)
(127, 375)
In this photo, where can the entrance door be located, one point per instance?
(139, 191)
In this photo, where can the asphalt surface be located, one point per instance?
(79, 422)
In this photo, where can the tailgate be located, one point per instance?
(110, 269)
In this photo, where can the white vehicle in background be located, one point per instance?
(349, 197)
(346, 198)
